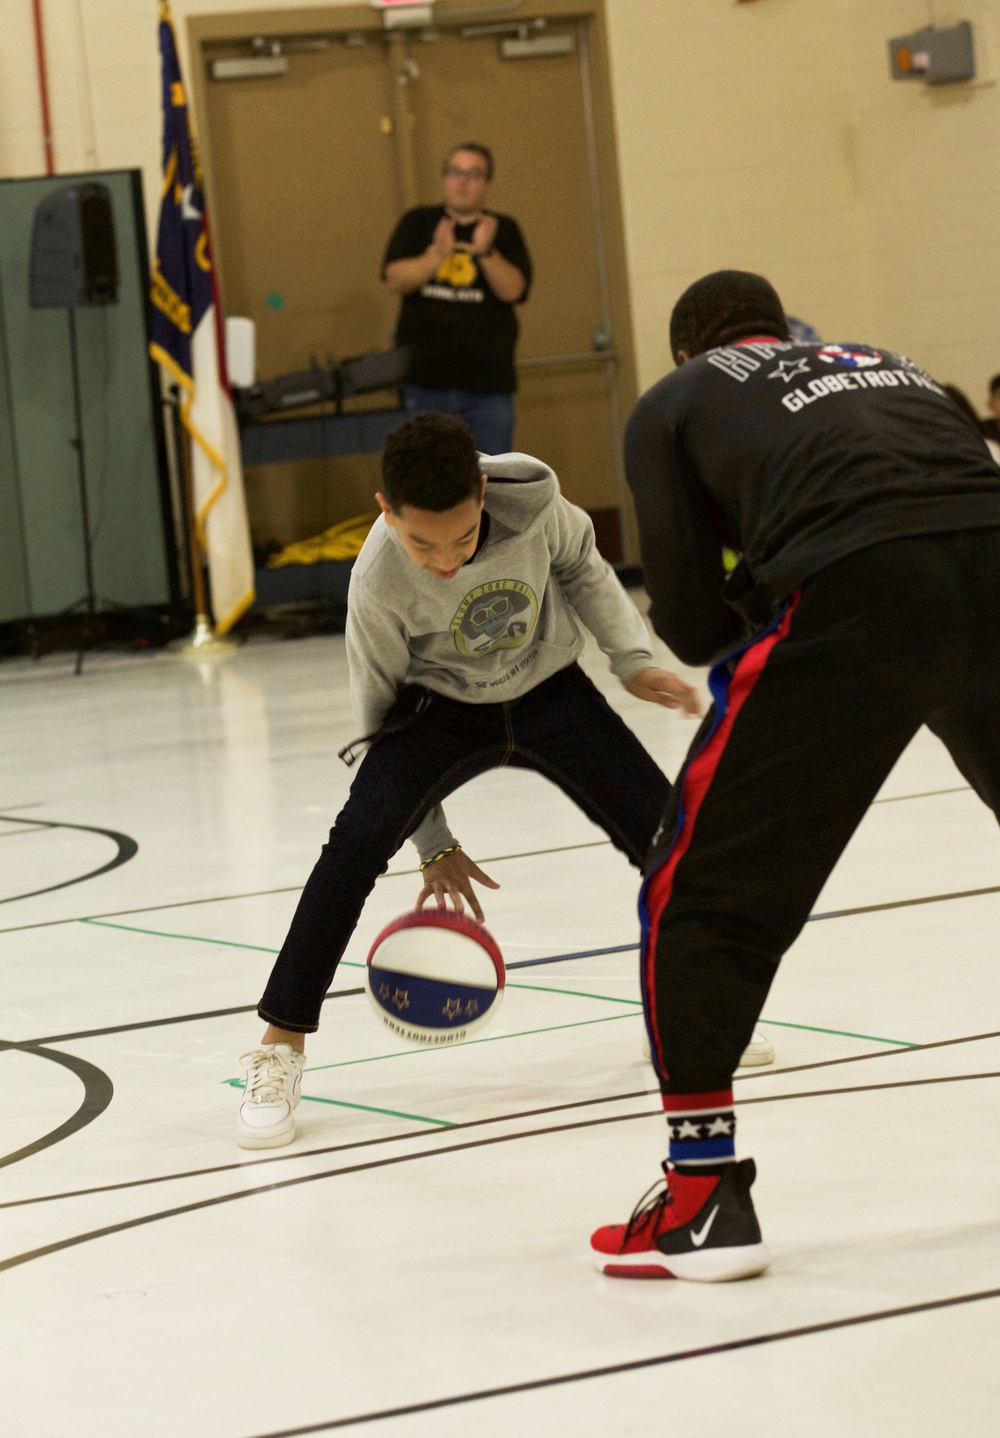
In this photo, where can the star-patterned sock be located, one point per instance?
(702, 1128)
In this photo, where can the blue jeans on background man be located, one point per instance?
(489, 416)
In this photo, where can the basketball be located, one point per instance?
(435, 977)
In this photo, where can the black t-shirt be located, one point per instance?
(794, 455)
(460, 335)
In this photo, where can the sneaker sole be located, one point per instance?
(717, 1265)
(263, 1138)
(750, 1060)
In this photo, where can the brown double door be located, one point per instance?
(309, 172)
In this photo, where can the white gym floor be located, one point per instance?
(417, 1262)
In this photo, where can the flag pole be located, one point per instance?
(202, 641)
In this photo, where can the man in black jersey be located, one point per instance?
(461, 270)
(866, 511)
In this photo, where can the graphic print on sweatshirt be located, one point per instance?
(498, 615)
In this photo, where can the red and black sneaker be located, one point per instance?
(697, 1226)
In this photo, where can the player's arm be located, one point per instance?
(681, 545)
(378, 659)
(507, 276)
(406, 272)
(593, 589)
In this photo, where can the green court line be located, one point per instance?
(350, 964)
(571, 993)
(840, 1033)
(367, 1108)
(190, 938)
(364, 1107)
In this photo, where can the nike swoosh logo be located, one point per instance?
(699, 1238)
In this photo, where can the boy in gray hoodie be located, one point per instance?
(463, 635)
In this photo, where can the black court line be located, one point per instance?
(250, 894)
(126, 849)
(98, 1091)
(247, 1164)
(443, 1150)
(928, 794)
(296, 888)
(406, 1134)
(174, 1019)
(904, 903)
(496, 859)
(636, 1365)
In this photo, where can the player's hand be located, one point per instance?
(451, 879)
(659, 686)
(484, 235)
(443, 239)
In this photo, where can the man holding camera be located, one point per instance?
(460, 270)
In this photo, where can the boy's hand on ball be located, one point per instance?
(659, 686)
(451, 879)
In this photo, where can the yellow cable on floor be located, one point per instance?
(340, 541)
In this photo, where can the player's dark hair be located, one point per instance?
(995, 384)
(430, 462)
(724, 307)
(477, 149)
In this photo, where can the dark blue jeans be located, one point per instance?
(489, 416)
(563, 729)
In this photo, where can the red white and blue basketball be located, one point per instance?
(435, 977)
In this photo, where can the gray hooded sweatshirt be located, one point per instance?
(508, 619)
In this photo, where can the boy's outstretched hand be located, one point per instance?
(451, 878)
(659, 686)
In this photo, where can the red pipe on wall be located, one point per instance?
(43, 89)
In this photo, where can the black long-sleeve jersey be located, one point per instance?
(793, 455)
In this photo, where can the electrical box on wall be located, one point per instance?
(938, 57)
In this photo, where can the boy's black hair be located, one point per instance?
(724, 307)
(995, 384)
(430, 462)
(477, 149)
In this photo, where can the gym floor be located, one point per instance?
(417, 1261)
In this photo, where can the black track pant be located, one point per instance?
(563, 728)
(808, 721)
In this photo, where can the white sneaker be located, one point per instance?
(273, 1088)
(759, 1051)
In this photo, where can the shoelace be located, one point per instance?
(648, 1209)
(267, 1073)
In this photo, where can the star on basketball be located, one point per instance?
(789, 369)
(452, 1008)
(401, 999)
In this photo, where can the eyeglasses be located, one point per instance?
(455, 172)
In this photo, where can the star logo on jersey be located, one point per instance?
(789, 369)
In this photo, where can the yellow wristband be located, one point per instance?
(443, 855)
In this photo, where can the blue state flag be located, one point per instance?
(182, 289)
(186, 339)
